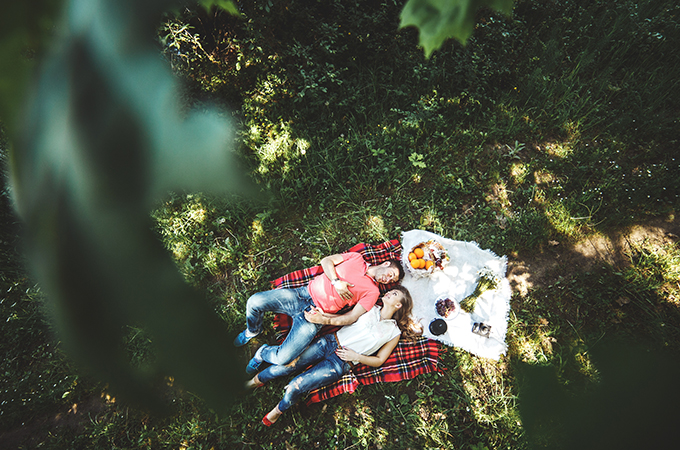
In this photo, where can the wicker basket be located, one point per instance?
(434, 257)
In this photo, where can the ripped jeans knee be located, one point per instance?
(323, 373)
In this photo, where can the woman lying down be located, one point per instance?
(375, 333)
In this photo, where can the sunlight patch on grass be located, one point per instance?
(499, 199)
(180, 250)
(596, 246)
(257, 229)
(302, 145)
(561, 220)
(538, 197)
(431, 424)
(558, 149)
(656, 267)
(673, 297)
(492, 399)
(518, 173)
(358, 421)
(573, 131)
(267, 88)
(520, 280)
(543, 177)
(536, 348)
(376, 229)
(108, 398)
(197, 213)
(586, 366)
(215, 260)
(276, 148)
(430, 219)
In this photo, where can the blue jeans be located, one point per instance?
(293, 303)
(328, 367)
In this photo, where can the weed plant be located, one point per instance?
(546, 127)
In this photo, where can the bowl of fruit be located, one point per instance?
(425, 258)
(447, 307)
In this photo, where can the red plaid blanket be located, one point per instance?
(408, 360)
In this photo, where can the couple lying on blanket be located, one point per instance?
(367, 329)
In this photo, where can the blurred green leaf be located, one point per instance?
(103, 139)
(226, 5)
(439, 20)
(26, 29)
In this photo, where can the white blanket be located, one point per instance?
(457, 280)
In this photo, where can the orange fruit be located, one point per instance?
(429, 264)
(412, 256)
(419, 252)
(421, 263)
(415, 264)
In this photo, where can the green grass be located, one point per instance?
(551, 126)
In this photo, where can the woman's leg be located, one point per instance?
(325, 372)
(272, 416)
(317, 351)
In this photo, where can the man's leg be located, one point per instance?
(285, 301)
(300, 335)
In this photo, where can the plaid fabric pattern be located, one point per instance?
(408, 360)
(296, 279)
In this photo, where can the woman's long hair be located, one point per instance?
(409, 329)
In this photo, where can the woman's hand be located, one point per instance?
(316, 315)
(342, 287)
(347, 354)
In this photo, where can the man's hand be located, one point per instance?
(316, 315)
(342, 287)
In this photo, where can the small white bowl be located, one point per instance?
(452, 315)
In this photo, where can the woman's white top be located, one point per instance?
(368, 333)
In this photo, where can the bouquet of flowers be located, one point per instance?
(488, 281)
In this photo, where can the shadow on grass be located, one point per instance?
(633, 406)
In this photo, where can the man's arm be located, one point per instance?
(319, 317)
(342, 286)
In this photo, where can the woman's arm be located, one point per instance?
(316, 315)
(376, 360)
